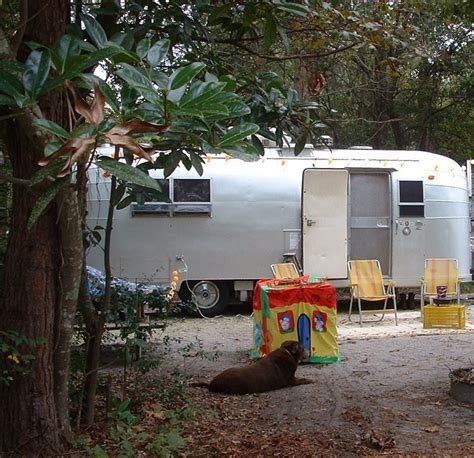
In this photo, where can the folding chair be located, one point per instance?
(367, 284)
(440, 272)
(285, 270)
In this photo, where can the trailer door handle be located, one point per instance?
(310, 222)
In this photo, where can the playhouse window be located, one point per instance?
(411, 201)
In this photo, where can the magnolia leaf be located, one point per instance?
(52, 128)
(78, 64)
(94, 30)
(237, 134)
(202, 94)
(137, 80)
(300, 143)
(270, 31)
(184, 75)
(258, 145)
(51, 170)
(76, 147)
(143, 47)
(293, 8)
(157, 52)
(67, 47)
(197, 162)
(136, 126)
(124, 141)
(36, 73)
(94, 113)
(127, 173)
(125, 202)
(44, 200)
(5, 100)
(98, 105)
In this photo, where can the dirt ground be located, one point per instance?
(387, 395)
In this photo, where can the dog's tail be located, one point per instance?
(200, 384)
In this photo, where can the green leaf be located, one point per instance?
(184, 75)
(127, 173)
(123, 39)
(80, 63)
(12, 66)
(172, 161)
(237, 134)
(202, 93)
(300, 142)
(50, 170)
(140, 82)
(294, 8)
(65, 48)
(214, 109)
(125, 202)
(94, 30)
(244, 151)
(270, 31)
(258, 145)
(142, 47)
(4, 100)
(52, 127)
(37, 70)
(157, 52)
(197, 162)
(109, 96)
(44, 200)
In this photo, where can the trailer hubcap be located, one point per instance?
(206, 294)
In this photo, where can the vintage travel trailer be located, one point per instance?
(225, 228)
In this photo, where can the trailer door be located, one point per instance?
(370, 217)
(325, 222)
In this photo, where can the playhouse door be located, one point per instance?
(304, 332)
(325, 222)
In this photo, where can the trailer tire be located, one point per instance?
(211, 297)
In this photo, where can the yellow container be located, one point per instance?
(444, 316)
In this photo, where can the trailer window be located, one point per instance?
(155, 205)
(192, 190)
(191, 196)
(411, 202)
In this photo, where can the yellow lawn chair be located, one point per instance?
(368, 284)
(285, 270)
(440, 272)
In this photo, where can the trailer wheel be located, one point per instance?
(210, 297)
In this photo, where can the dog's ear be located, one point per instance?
(296, 349)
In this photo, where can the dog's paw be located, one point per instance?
(302, 381)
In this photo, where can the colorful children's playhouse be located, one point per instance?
(303, 309)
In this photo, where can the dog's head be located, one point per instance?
(296, 349)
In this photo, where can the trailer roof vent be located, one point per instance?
(360, 147)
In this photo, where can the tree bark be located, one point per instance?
(69, 278)
(29, 423)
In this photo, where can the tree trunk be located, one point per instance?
(70, 275)
(29, 423)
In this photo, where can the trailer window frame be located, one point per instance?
(411, 198)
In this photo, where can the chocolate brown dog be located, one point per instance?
(274, 371)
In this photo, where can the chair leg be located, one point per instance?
(360, 311)
(350, 306)
(394, 298)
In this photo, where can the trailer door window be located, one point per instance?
(411, 202)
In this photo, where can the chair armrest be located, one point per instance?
(389, 283)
